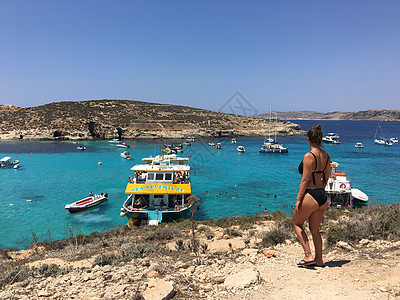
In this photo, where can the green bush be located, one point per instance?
(162, 234)
(232, 232)
(104, 259)
(209, 234)
(142, 250)
(274, 237)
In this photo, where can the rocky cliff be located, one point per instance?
(373, 115)
(104, 119)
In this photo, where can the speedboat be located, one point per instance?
(123, 145)
(211, 144)
(125, 154)
(160, 190)
(233, 141)
(240, 149)
(383, 141)
(6, 163)
(340, 192)
(333, 135)
(82, 148)
(359, 145)
(394, 140)
(330, 139)
(86, 203)
(115, 141)
(218, 146)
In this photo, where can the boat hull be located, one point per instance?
(167, 215)
(84, 204)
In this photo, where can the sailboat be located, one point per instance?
(271, 145)
(381, 140)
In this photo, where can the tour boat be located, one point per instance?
(359, 145)
(6, 163)
(240, 149)
(86, 203)
(159, 191)
(340, 192)
(271, 145)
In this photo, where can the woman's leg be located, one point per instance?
(315, 221)
(300, 215)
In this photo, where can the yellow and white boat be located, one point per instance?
(159, 190)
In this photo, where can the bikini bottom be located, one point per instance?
(319, 195)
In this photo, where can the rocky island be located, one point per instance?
(105, 119)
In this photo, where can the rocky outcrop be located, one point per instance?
(373, 115)
(104, 119)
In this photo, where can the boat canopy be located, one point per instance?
(5, 158)
(158, 188)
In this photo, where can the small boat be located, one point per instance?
(218, 146)
(394, 140)
(233, 141)
(86, 203)
(271, 145)
(82, 148)
(333, 135)
(115, 141)
(126, 154)
(240, 149)
(123, 145)
(383, 141)
(359, 145)
(211, 144)
(331, 140)
(6, 163)
(340, 191)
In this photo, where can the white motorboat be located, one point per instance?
(115, 141)
(383, 141)
(123, 145)
(340, 192)
(5, 162)
(394, 140)
(86, 203)
(241, 149)
(82, 148)
(233, 141)
(333, 135)
(331, 140)
(359, 145)
(211, 144)
(126, 155)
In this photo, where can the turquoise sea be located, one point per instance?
(55, 173)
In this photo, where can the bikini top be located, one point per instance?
(315, 169)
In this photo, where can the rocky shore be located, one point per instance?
(106, 119)
(236, 258)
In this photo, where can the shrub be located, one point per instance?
(232, 232)
(12, 276)
(209, 234)
(180, 245)
(167, 233)
(141, 250)
(274, 237)
(104, 259)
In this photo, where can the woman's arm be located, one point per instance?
(328, 170)
(308, 164)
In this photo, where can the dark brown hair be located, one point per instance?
(314, 134)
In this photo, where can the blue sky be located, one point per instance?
(298, 55)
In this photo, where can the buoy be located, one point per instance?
(99, 163)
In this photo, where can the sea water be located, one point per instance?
(227, 182)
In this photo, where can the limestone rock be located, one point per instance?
(159, 289)
(269, 253)
(242, 279)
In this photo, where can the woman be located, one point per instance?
(311, 200)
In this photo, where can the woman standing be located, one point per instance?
(311, 200)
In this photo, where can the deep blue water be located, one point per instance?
(55, 173)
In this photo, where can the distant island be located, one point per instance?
(105, 119)
(372, 115)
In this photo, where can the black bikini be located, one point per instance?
(318, 194)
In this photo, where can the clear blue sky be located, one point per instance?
(300, 55)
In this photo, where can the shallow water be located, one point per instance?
(55, 173)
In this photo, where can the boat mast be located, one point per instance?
(276, 124)
(269, 125)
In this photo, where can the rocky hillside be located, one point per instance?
(104, 119)
(378, 115)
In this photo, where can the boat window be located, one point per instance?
(150, 176)
(159, 176)
(158, 196)
(168, 176)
